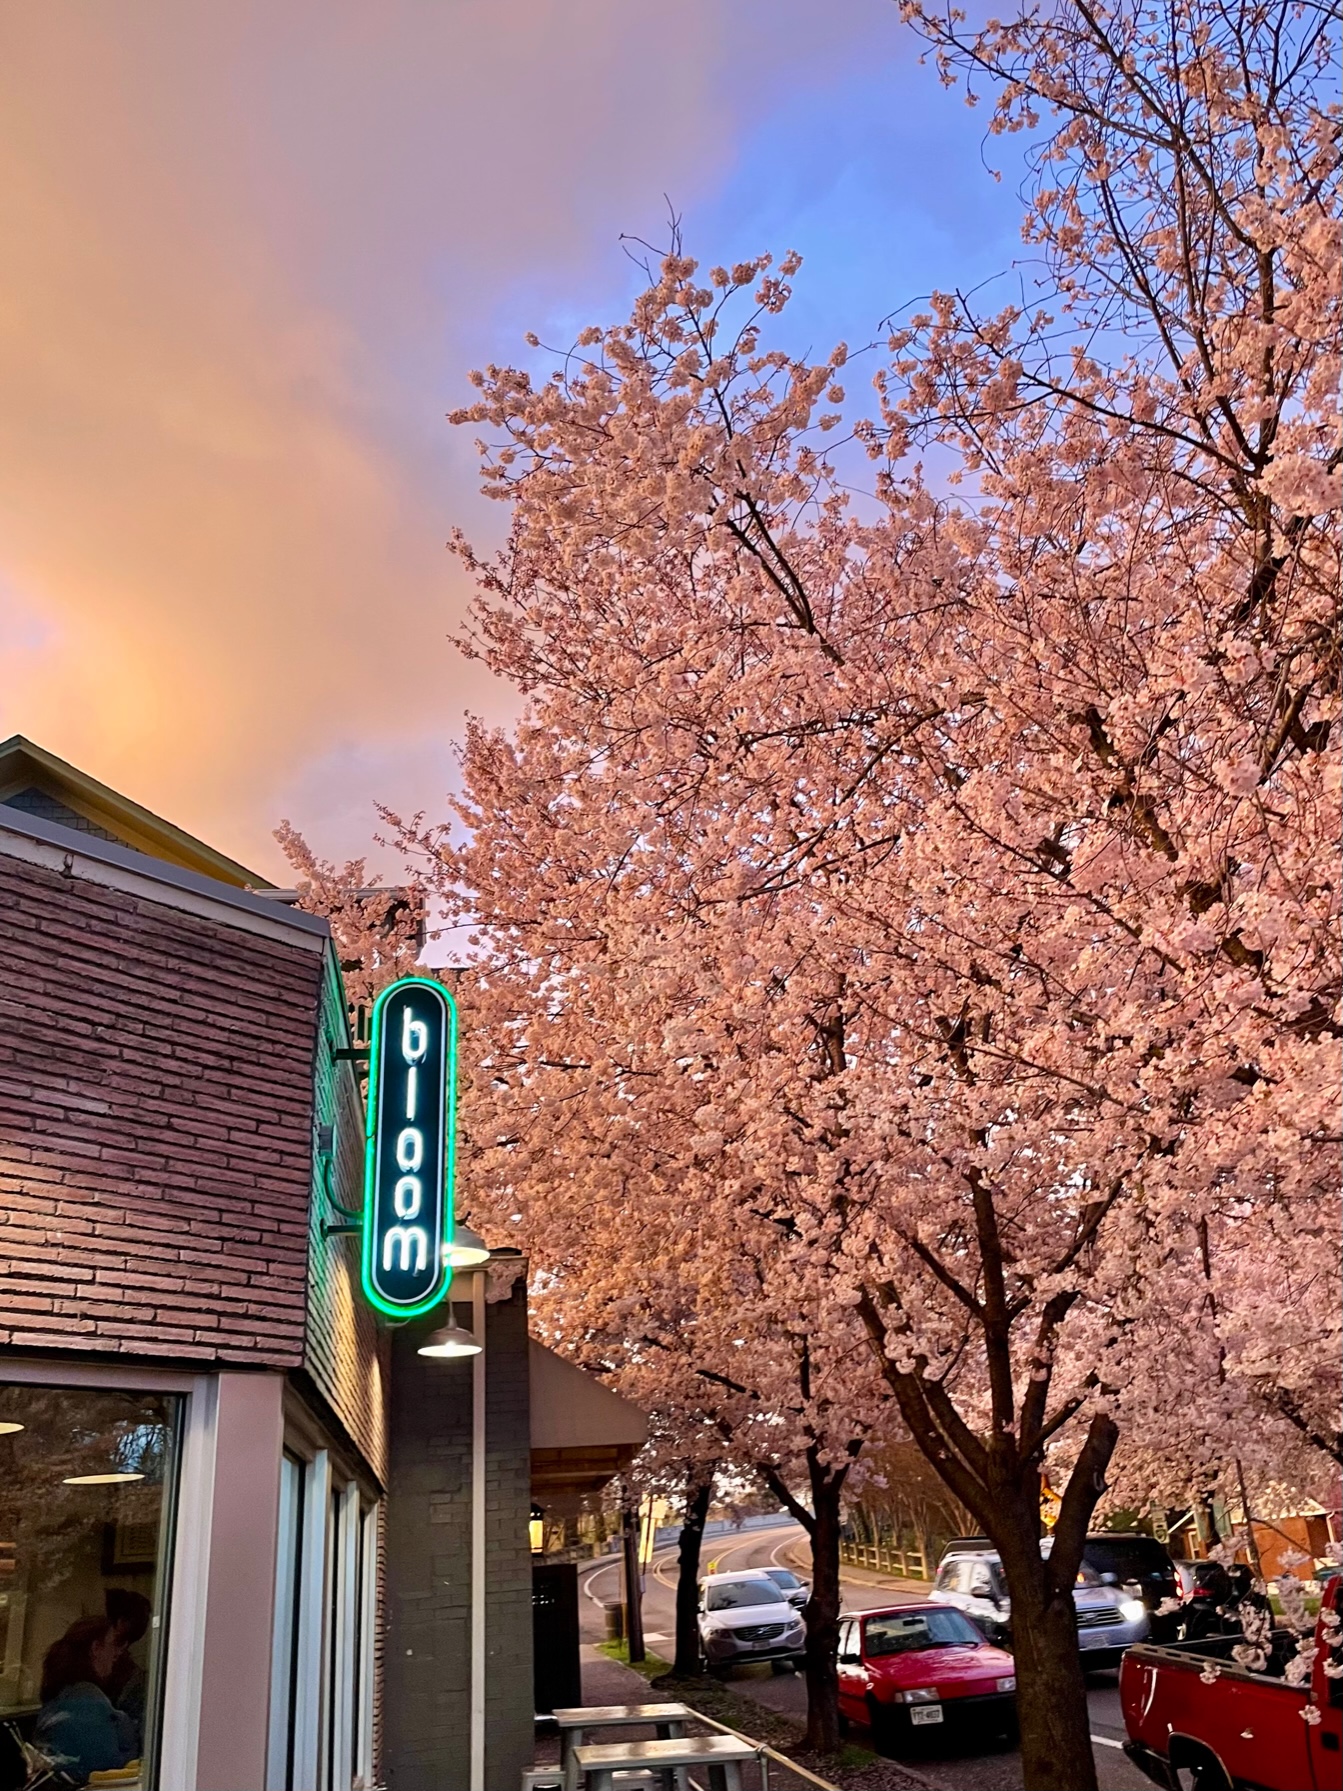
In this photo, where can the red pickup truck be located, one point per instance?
(1197, 1721)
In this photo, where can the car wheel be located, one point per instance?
(881, 1723)
(1201, 1775)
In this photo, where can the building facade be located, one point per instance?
(250, 1538)
(192, 1395)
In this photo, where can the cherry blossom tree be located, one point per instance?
(585, 1139)
(947, 882)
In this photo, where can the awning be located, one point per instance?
(582, 1433)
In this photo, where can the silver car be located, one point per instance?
(744, 1617)
(1109, 1618)
(796, 1591)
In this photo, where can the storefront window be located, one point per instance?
(86, 1494)
(322, 1654)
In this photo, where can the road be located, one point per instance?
(786, 1546)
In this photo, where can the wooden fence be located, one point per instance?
(884, 1557)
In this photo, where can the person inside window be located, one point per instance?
(126, 1684)
(78, 1727)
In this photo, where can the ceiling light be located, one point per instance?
(467, 1249)
(99, 1479)
(449, 1341)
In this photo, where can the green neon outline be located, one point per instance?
(371, 1294)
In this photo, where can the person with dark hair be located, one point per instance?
(127, 1686)
(78, 1726)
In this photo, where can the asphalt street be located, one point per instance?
(939, 1764)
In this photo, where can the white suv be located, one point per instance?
(971, 1578)
(744, 1617)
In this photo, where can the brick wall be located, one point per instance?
(156, 1089)
(427, 1671)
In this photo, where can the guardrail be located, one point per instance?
(881, 1557)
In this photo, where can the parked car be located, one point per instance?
(1195, 1718)
(745, 1617)
(923, 1667)
(1203, 1581)
(795, 1590)
(1109, 1618)
(1139, 1565)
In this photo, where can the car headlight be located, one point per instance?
(922, 1694)
(1008, 1684)
(1132, 1610)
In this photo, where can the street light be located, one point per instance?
(450, 1341)
(468, 1250)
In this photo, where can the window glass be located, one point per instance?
(284, 1648)
(87, 1483)
(1128, 1557)
(782, 1577)
(941, 1628)
(946, 1577)
(736, 1594)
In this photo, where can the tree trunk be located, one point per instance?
(688, 1661)
(822, 1615)
(1056, 1750)
(634, 1591)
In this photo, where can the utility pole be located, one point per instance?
(634, 1610)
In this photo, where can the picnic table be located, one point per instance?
(667, 1721)
(722, 1755)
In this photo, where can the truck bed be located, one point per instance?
(1249, 1722)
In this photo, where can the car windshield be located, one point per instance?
(781, 1577)
(1086, 1573)
(920, 1629)
(735, 1595)
(1133, 1558)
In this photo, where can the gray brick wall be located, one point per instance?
(427, 1675)
(156, 1088)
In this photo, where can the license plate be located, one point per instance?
(921, 1714)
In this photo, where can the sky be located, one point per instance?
(251, 253)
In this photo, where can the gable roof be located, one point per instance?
(37, 783)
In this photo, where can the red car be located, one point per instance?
(923, 1669)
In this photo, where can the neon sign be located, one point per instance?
(409, 1160)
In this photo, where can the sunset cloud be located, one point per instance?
(251, 251)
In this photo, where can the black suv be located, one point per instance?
(1126, 1558)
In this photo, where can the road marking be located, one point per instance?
(596, 1573)
(1104, 1741)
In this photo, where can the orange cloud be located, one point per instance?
(250, 250)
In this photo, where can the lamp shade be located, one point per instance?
(468, 1250)
(449, 1341)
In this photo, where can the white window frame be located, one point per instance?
(332, 1714)
(371, 1527)
(179, 1733)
